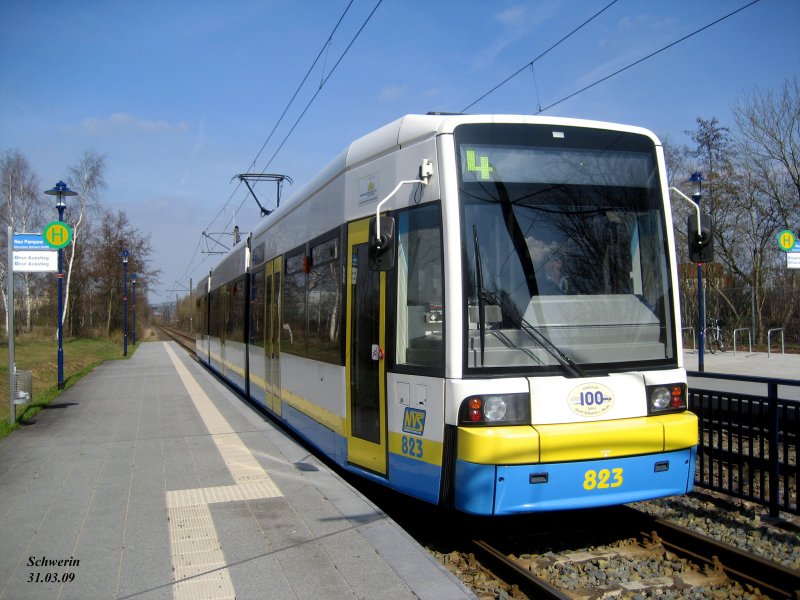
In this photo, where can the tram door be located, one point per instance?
(274, 327)
(364, 364)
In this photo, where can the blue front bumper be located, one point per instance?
(514, 489)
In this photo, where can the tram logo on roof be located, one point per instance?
(368, 189)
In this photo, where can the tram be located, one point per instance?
(480, 311)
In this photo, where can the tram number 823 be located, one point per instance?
(602, 479)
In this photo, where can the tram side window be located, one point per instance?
(294, 306)
(420, 290)
(234, 311)
(256, 334)
(201, 305)
(324, 301)
(216, 313)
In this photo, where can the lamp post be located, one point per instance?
(696, 180)
(59, 191)
(125, 254)
(133, 282)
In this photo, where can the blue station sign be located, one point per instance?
(30, 241)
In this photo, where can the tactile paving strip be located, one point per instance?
(198, 562)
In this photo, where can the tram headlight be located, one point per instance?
(666, 398)
(495, 409)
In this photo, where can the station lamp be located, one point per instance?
(60, 191)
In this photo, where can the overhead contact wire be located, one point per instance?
(651, 55)
(319, 89)
(530, 64)
(272, 132)
(324, 81)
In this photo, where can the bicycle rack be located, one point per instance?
(769, 340)
(749, 338)
(694, 345)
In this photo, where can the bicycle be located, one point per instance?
(714, 338)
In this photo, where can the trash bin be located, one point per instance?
(23, 386)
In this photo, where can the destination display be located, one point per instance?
(577, 166)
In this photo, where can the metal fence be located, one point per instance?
(748, 441)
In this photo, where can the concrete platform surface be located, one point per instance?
(774, 366)
(149, 479)
(758, 364)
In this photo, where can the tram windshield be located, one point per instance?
(566, 254)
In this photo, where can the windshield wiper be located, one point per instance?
(570, 366)
(479, 283)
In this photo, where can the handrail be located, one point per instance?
(694, 345)
(748, 378)
(749, 338)
(761, 419)
(769, 340)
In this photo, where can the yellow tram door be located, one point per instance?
(274, 328)
(365, 367)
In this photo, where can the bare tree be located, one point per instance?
(87, 177)
(23, 209)
(769, 147)
(114, 235)
(752, 190)
(770, 126)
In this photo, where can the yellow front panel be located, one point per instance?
(513, 445)
(680, 430)
(516, 445)
(601, 439)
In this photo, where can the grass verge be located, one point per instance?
(81, 355)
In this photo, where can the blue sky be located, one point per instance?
(181, 95)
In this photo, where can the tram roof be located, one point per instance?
(412, 128)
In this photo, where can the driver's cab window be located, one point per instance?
(420, 288)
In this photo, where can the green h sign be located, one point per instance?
(57, 234)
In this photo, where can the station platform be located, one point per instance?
(755, 364)
(150, 479)
(746, 364)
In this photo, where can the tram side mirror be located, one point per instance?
(381, 244)
(701, 243)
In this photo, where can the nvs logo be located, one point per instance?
(414, 421)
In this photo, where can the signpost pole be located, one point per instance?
(12, 409)
(32, 253)
(60, 307)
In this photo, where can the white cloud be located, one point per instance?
(391, 92)
(511, 16)
(515, 23)
(118, 122)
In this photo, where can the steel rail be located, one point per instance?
(514, 573)
(180, 337)
(769, 576)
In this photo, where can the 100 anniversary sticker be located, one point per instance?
(590, 400)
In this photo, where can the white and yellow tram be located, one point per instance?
(504, 336)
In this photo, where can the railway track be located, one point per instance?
(697, 561)
(184, 339)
